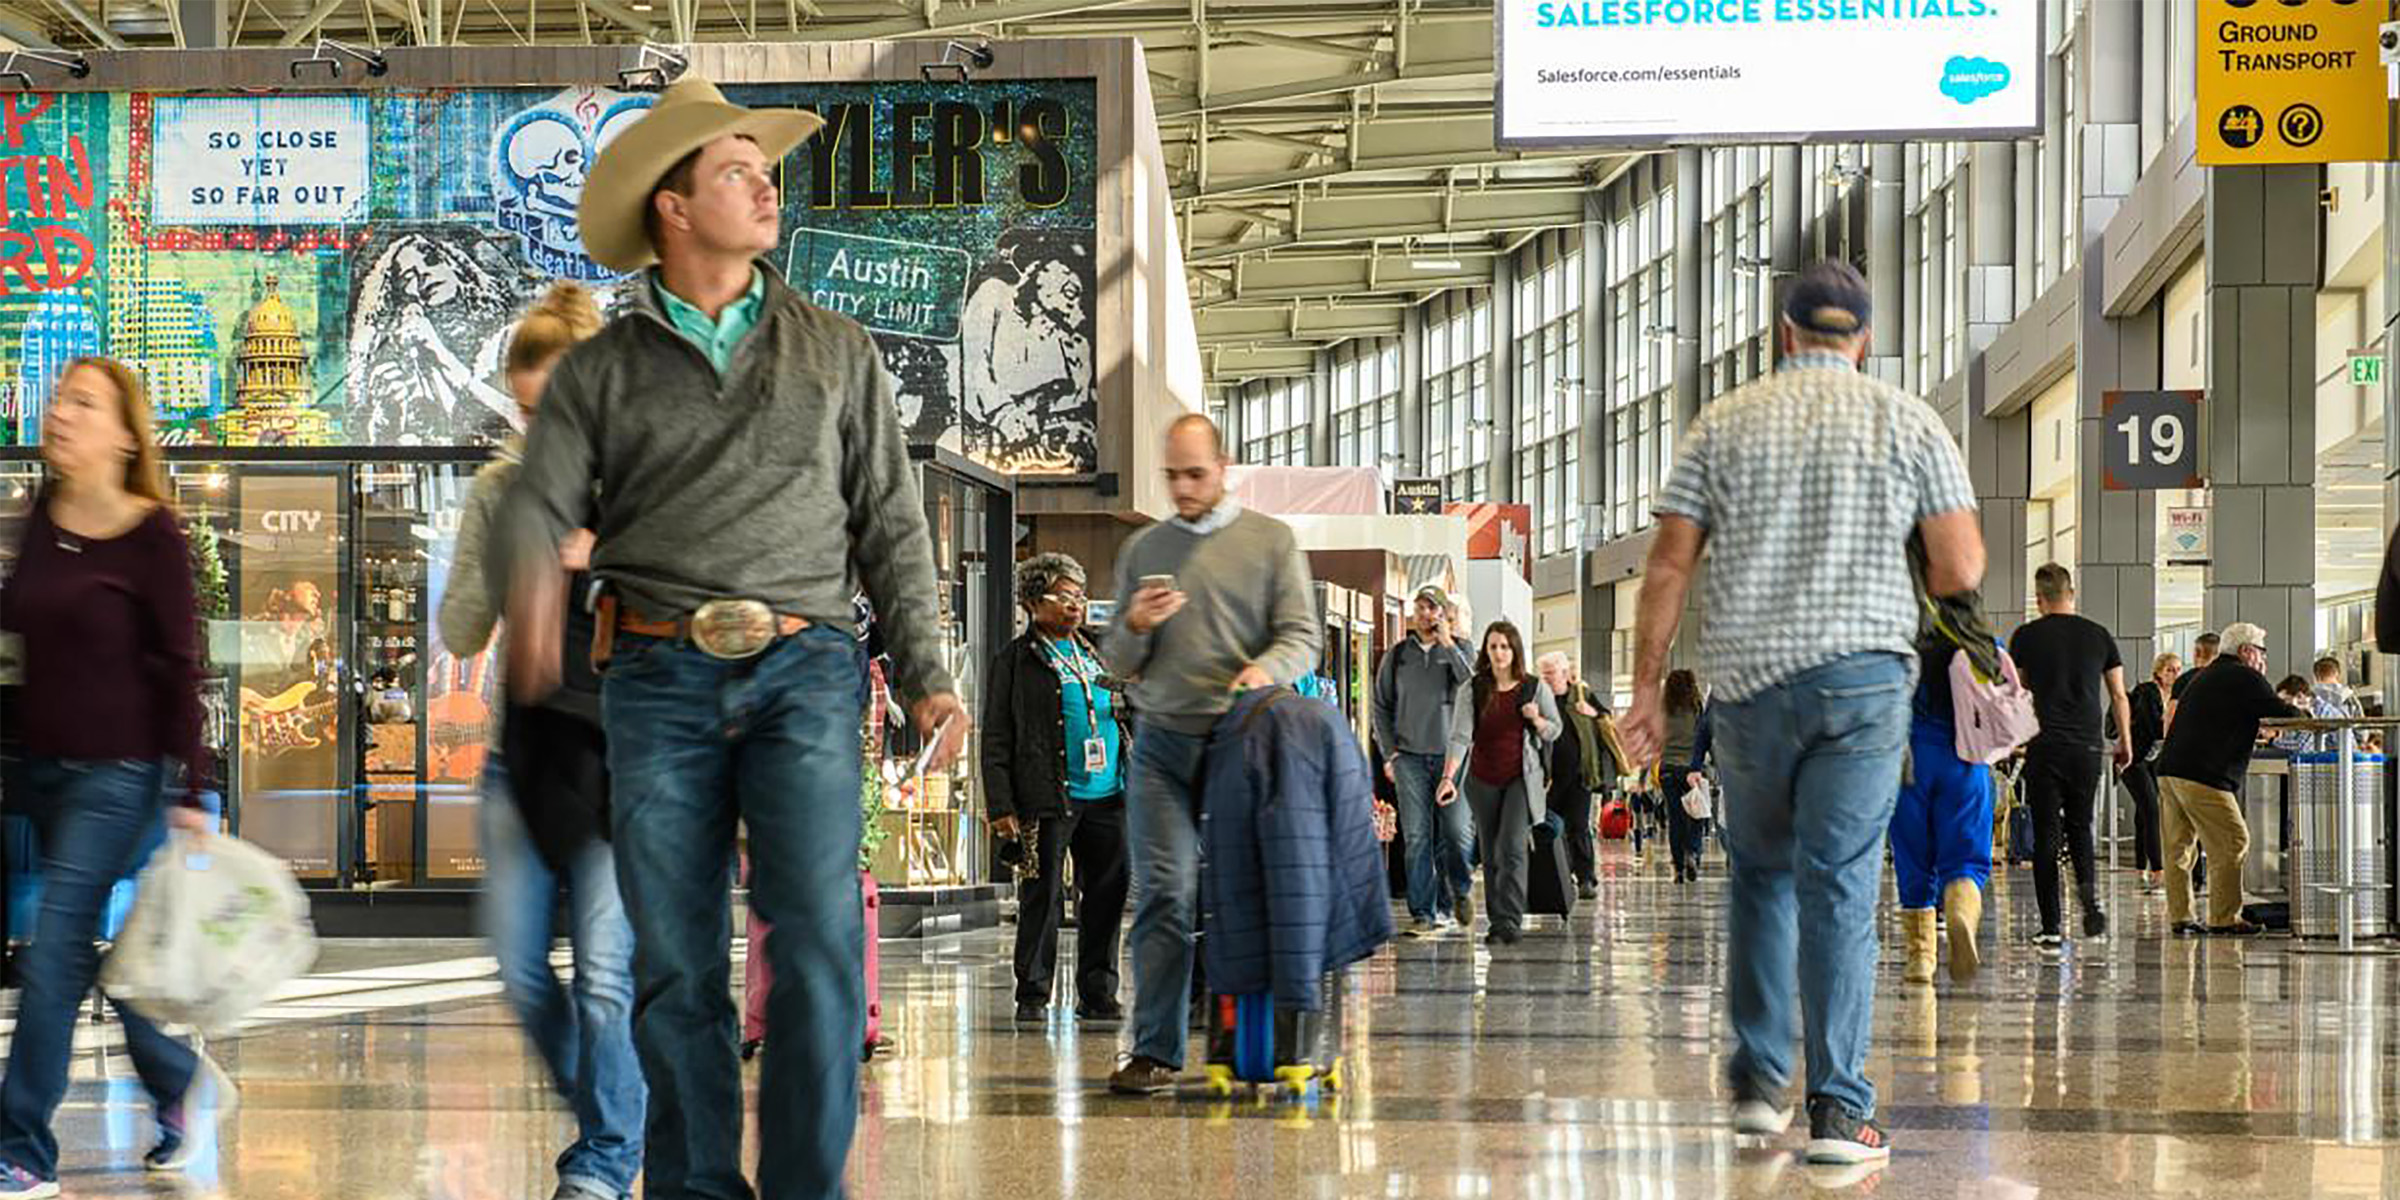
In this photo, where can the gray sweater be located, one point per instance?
(469, 610)
(783, 479)
(1248, 602)
(1416, 687)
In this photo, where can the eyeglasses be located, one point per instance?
(1065, 599)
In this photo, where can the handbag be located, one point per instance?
(1994, 714)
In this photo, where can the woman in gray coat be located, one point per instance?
(1501, 735)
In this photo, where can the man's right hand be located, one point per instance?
(1643, 728)
(1391, 774)
(1006, 827)
(1150, 608)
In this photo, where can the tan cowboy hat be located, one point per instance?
(690, 114)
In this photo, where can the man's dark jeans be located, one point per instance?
(694, 744)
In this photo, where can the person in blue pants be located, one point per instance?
(1941, 831)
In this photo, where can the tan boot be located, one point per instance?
(1916, 925)
(1962, 902)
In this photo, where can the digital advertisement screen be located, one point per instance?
(1646, 72)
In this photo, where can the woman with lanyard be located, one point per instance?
(1055, 732)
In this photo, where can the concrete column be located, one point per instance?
(1320, 410)
(1990, 230)
(2026, 226)
(1412, 391)
(2000, 464)
(1886, 186)
(1598, 605)
(2264, 236)
(1504, 433)
(1691, 255)
(1789, 250)
(2116, 532)
(205, 23)
(2154, 17)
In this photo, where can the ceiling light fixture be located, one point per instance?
(1435, 264)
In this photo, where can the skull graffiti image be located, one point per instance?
(539, 162)
(427, 323)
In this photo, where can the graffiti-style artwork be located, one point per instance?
(343, 268)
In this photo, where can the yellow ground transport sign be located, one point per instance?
(2291, 82)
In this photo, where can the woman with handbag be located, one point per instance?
(109, 721)
(1685, 756)
(1502, 737)
(2149, 702)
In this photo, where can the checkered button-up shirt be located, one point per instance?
(1808, 484)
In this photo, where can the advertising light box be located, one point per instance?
(1647, 72)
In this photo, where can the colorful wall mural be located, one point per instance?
(343, 269)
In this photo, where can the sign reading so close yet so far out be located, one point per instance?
(1631, 72)
(2286, 82)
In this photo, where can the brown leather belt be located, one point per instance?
(726, 629)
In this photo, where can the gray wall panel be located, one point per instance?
(2238, 536)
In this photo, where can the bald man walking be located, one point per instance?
(1217, 600)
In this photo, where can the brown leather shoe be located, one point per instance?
(1142, 1076)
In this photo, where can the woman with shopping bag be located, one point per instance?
(101, 604)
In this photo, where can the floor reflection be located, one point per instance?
(1582, 1063)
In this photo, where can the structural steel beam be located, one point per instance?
(92, 25)
(1369, 166)
(1325, 46)
(302, 33)
(1009, 11)
(1322, 86)
(623, 17)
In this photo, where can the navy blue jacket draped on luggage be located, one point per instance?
(1292, 880)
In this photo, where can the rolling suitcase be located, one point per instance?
(1252, 1042)
(758, 979)
(1549, 887)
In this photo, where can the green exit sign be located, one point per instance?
(2366, 368)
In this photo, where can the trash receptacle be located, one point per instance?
(2315, 857)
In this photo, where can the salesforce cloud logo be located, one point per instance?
(1968, 80)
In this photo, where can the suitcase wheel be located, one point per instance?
(1333, 1076)
(1220, 1080)
(1297, 1078)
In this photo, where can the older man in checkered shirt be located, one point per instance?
(1805, 487)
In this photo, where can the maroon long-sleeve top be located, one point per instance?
(112, 665)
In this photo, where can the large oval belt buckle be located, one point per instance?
(733, 629)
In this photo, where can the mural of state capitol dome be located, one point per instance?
(272, 400)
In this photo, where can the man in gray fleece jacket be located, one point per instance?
(1216, 601)
(738, 454)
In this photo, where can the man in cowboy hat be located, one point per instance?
(746, 457)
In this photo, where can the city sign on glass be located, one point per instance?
(1636, 72)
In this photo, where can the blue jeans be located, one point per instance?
(694, 744)
(1438, 837)
(1811, 768)
(95, 820)
(583, 1033)
(1162, 824)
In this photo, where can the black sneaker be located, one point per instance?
(1033, 1014)
(1101, 1016)
(2189, 929)
(1587, 890)
(2048, 943)
(1837, 1138)
(2095, 922)
(2239, 928)
(1759, 1112)
(1142, 1076)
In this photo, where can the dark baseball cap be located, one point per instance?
(1830, 298)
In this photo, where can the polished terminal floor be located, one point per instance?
(1584, 1062)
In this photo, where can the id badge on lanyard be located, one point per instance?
(1095, 755)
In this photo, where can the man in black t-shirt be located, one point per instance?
(2069, 662)
(2206, 755)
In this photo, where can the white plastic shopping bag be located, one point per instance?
(217, 925)
(1700, 800)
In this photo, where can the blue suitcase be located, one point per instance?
(1252, 1042)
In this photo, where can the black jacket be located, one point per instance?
(1025, 732)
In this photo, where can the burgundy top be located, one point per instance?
(112, 667)
(1498, 757)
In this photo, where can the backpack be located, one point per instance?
(1995, 714)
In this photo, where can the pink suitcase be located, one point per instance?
(757, 980)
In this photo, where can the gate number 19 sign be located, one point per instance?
(2149, 440)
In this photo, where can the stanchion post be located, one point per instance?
(2347, 791)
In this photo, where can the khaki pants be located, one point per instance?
(2187, 810)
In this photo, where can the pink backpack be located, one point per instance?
(1995, 716)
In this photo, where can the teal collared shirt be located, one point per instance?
(715, 338)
